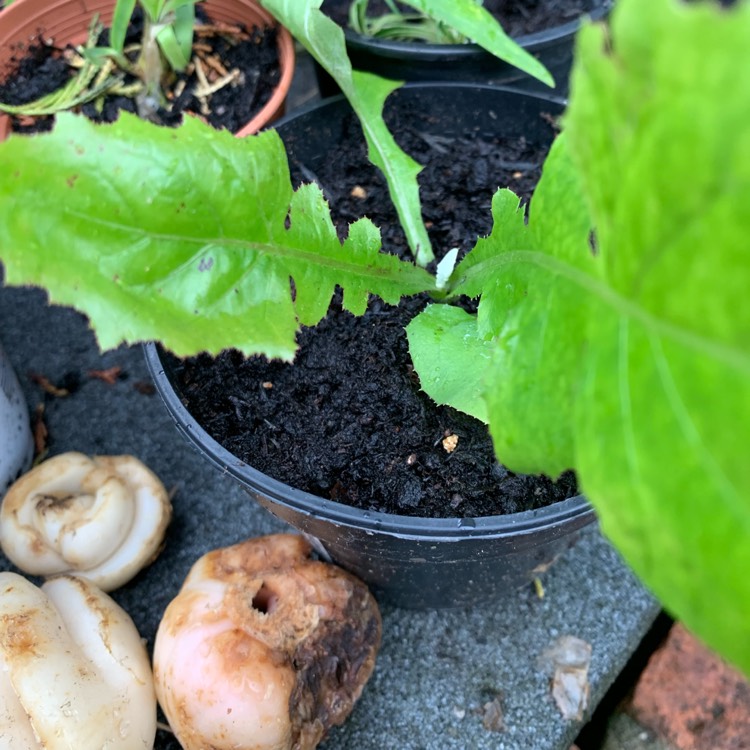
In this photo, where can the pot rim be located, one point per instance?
(489, 89)
(427, 52)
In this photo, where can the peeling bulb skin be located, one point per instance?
(74, 672)
(103, 518)
(264, 648)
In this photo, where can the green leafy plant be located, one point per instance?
(459, 21)
(401, 26)
(168, 34)
(167, 37)
(611, 334)
(165, 46)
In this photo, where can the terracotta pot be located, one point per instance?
(67, 21)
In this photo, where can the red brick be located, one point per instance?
(691, 698)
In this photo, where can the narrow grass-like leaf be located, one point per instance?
(153, 8)
(478, 24)
(171, 48)
(366, 93)
(119, 26)
(176, 39)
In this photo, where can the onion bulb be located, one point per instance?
(264, 648)
(74, 672)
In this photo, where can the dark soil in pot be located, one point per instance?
(517, 17)
(347, 421)
(41, 69)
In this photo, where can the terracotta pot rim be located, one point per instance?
(274, 107)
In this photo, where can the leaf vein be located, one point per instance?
(272, 248)
(689, 430)
(728, 355)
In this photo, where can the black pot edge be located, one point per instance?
(573, 510)
(530, 42)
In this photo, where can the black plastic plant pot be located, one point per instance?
(469, 63)
(410, 561)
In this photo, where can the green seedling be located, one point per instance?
(165, 46)
(397, 25)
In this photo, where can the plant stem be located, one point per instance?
(152, 71)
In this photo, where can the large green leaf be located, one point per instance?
(181, 235)
(658, 127)
(628, 358)
(479, 25)
(366, 93)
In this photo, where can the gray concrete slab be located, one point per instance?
(436, 669)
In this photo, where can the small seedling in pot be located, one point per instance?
(165, 47)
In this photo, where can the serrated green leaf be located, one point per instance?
(528, 322)
(478, 24)
(179, 235)
(366, 93)
(451, 357)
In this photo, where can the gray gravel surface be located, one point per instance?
(436, 669)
